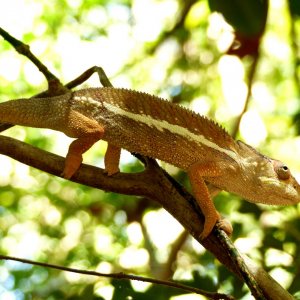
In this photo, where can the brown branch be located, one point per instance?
(240, 263)
(153, 183)
(75, 82)
(122, 275)
(55, 87)
(54, 84)
(130, 184)
(87, 74)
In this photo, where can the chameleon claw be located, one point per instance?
(71, 167)
(209, 224)
(111, 171)
(67, 175)
(225, 225)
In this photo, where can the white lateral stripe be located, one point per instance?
(176, 129)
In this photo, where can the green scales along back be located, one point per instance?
(154, 127)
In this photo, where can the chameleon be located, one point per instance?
(151, 126)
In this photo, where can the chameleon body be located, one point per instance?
(156, 128)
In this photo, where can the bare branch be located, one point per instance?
(241, 265)
(154, 183)
(87, 74)
(121, 275)
(54, 84)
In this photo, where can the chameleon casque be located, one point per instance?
(157, 128)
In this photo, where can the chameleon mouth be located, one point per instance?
(283, 193)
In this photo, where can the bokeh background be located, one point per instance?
(236, 62)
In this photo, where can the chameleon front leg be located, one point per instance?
(196, 173)
(87, 132)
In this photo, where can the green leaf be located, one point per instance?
(246, 17)
(294, 6)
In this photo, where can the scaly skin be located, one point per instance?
(156, 128)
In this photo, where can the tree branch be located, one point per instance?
(122, 275)
(154, 183)
(54, 85)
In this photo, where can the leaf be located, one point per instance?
(294, 6)
(248, 18)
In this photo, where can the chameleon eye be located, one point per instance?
(283, 172)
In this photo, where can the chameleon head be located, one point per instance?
(271, 180)
(279, 184)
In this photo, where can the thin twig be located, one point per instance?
(77, 81)
(121, 275)
(54, 83)
(55, 87)
(87, 74)
(154, 183)
(238, 264)
(237, 259)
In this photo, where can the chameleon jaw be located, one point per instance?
(287, 192)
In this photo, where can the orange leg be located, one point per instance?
(196, 173)
(87, 132)
(112, 159)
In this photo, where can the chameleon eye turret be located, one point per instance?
(282, 170)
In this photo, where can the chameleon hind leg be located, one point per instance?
(112, 159)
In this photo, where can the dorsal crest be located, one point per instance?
(144, 104)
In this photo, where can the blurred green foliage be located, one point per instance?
(247, 17)
(175, 49)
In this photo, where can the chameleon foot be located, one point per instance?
(210, 223)
(225, 225)
(111, 171)
(72, 164)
